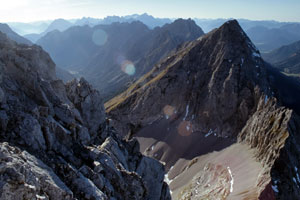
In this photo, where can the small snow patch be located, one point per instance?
(40, 197)
(275, 188)
(255, 54)
(30, 186)
(232, 180)
(294, 179)
(209, 133)
(266, 99)
(186, 111)
(297, 175)
(152, 147)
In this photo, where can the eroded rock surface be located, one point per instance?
(55, 142)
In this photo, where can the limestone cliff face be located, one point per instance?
(267, 130)
(54, 141)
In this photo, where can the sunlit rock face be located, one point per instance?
(213, 94)
(54, 139)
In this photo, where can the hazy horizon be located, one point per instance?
(33, 10)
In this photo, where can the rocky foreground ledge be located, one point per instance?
(55, 142)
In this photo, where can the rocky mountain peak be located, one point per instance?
(216, 74)
(204, 110)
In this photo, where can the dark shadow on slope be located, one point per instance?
(286, 88)
(179, 146)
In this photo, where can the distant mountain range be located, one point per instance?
(148, 20)
(266, 34)
(282, 53)
(4, 28)
(33, 31)
(210, 24)
(286, 59)
(267, 39)
(56, 25)
(128, 45)
(23, 28)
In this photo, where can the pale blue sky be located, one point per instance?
(34, 10)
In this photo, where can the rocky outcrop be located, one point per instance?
(267, 130)
(55, 142)
(23, 176)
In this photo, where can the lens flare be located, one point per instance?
(185, 128)
(128, 67)
(99, 37)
